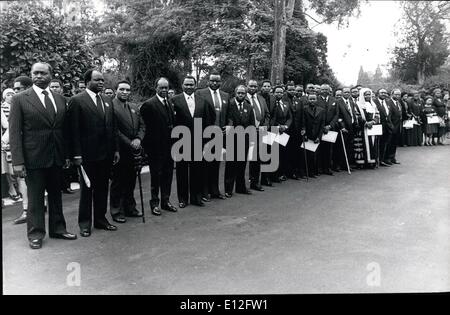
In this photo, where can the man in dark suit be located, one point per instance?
(38, 140)
(95, 148)
(312, 127)
(217, 102)
(240, 113)
(262, 119)
(281, 117)
(385, 119)
(328, 103)
(190, 173)
(346, 124)
(266, 92)
(130, 130)
(159, 120)
(397, 114)
(293, 146)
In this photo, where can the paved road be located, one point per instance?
(332, 234)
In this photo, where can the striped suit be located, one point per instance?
(38, 141)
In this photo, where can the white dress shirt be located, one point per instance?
(41, 96)
(94, 98)
(218, 95)
(190, 100)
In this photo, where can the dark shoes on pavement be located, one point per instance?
(22, 219)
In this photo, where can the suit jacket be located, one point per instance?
(36, 140)
(183, 116)
(130, 125)
(265, 114)
(278, 117)
(93, 134)
(245, 118)
(206, 95)
(396, 115)
(314, 122)
(346, 115)
(158, 126)
(269, 98)
(331, 111)
(385, 118)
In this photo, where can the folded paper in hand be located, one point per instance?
(408, 124)
(310, 145)
(433, 120)
(331, 136)
(282, 139)
(269, 138)
(377, 130)
(85, 177)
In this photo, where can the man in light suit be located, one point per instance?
(38, 139)
(131, 130)
(262, 119)
(190, 173)
(159, 119)
(347, 123)
(217, 102)
(95, 147)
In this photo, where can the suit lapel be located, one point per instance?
(122, 112)
(91, 103)
(34, 100)
(60, 106)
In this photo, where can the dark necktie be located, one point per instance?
(128, 110)
(98, 100)
(169, 114)
(49, 105)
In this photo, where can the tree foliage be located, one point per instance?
(423, 46)
(32, 32)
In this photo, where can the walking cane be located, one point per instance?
(140, 192)
(345, 152)
(306, 160)
(377, 139)
(138, 156)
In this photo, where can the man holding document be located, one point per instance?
(313, 126)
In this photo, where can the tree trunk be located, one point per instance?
(283, 11)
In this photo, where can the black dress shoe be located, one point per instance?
(219, 196)
(119, 219)
(21, 219)
(282, 178)
(395, 162)
(244, 192)
(329, 173)
(35, 244)
(182, 205)
(169, 207)
(156, 211)
(85, 233)
(266, 183)
(384, 164)
(388, 163)
(206, 199)
(106, 227)
(228, 195)
(198, 204)
(337, 170)
(133, 214)
(64, 236)
(257, 187)
(294, 177)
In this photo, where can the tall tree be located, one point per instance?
(328, 10)
(423, 46)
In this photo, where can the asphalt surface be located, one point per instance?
(384, 230)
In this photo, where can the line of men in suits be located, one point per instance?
(103, 136)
